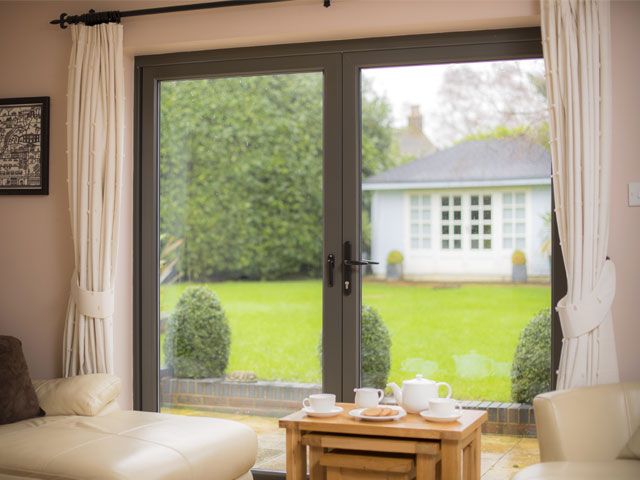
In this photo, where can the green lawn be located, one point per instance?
(465, 335)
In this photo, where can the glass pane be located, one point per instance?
(426, 215)
(415, 214)
(241, 229)
(520, 198)
(415, 242)
(415, 201)
(520, 228)
(466, 284)
(520, 243)
(519, 213)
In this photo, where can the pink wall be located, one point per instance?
(624, 240)
(35, 245)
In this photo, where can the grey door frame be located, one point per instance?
(146, 179)
(342, 62)
(352, 65)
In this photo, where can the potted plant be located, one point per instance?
(518, 267)
(394, 265)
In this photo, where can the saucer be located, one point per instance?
(357, 413)
(440, 419)
(331, 413)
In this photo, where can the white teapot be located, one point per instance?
(416, 393)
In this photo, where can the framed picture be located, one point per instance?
(24, 146)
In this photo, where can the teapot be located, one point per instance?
(416, 393)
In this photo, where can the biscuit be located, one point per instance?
(373, 412)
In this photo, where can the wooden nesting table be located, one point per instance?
(342, 447)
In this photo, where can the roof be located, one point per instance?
(503, 161)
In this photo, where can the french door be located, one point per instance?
(253, 220)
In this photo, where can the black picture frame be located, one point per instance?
(35, 141)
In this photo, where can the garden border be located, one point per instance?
(278, 399)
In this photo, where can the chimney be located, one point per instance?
(414, 122)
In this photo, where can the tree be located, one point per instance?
(475, 99)
(241, 173)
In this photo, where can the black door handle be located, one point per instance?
(349, 264)
(331, 265)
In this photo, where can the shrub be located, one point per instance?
(518, 258)
(532, 360)
(395, 258)
(198, 336)
(375, 345)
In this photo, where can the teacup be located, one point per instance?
(368, 397)
(320, 402)
(444, 407)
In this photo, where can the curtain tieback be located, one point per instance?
(580, 318)
(96, 304)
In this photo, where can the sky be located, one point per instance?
(419, 85)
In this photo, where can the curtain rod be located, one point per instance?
(95, 18)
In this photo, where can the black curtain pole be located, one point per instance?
(95, 18)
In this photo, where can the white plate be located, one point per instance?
(439, 419)
(331, 413)
(357, 413)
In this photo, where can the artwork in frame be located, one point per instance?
(24, 146)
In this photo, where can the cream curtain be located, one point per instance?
(576, 41)
(95, 129)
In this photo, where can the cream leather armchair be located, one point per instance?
(86, 435)
(586, 433)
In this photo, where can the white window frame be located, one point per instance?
(483, 234)
(418, 204)
(511, 233)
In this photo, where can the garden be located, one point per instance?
(463, 334)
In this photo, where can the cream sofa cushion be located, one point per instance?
(80, 395)
(127, 445)
(615, 469)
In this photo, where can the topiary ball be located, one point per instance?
(532, 361)
(198, 338)
(375, 344)
(518, 258)
(395, 257)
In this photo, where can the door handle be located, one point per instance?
(348, 264)
(331, 265)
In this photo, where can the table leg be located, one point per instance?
(425, 467)
(451, 460)
(296, 455)
(316, 471)
(471, 457)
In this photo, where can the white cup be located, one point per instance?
(444, 407)
(368, 397)
(320, 402)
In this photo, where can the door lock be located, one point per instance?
(348, 264)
